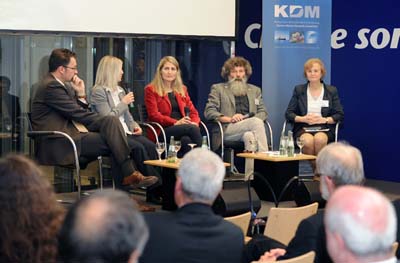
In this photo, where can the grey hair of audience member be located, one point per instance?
(342, 162)
(202, 173)
(358, 226)
(105, 227)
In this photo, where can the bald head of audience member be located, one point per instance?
(105, 227)
(360, 225)
(200, 176)
(339, 164)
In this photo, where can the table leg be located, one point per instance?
(277, 174)
(168, 186)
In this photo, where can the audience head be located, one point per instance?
(339, 164)
(236, 62)
(200, 176)
(63, 64)
(5, 83)
(105, 227)
(109, 72)
(60, 57)
(30, 215)
(168, 73)
(360, 225)
(309, 64)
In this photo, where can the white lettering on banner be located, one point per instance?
(247, 36)
(338, 35)
(378, 39)
(296, 11)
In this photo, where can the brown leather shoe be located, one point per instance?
(146, 208)
(136, 179)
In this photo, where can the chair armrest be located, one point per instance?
(337, 130)
(34, 134)
(271, 137)
(162, 132)
(207, 133)
(145, 124)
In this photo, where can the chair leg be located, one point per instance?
(234, 170)
(100, 159)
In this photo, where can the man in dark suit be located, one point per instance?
(60, 104)
(337, 164)
(194, 233)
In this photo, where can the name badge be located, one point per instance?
(325, 103)
(257, 101)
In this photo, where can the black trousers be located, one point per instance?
(186, 133)
(107, 137)
(143, 149)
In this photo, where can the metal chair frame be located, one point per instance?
(35, 134)
(233, 169)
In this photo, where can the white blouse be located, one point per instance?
(314, 105)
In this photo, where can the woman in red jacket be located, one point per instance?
(168, 103)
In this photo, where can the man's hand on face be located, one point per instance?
(78, 85)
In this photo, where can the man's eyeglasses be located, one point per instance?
(75, 68)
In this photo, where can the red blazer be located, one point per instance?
(159, 108)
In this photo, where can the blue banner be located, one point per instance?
(293, 31)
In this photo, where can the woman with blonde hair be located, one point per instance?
(314, 104)
(108, 98)
(168, 103)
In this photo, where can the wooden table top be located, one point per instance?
(164, 163)
(276, 158)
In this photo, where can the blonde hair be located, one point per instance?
(309, 63)
(108, 72)
(157, 82)
(231, 63)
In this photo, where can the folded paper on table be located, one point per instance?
(315, 129)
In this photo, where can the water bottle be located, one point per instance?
(204, 144)
(290, 144)
(171, 151)
(282, 144)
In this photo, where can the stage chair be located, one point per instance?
(144, 119)
(243, 222)
(305, 258)
(231, 146)
(79, 161)
(282, 223)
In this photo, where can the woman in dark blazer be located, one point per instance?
(168, 103)
(314, 104)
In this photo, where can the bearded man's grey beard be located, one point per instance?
(238, 86)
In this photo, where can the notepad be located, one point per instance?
(315, 129)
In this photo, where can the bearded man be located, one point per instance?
(238, 105)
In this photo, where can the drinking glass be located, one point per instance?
(177, 146)
(300, 143)
(192, 145)
(160, 148)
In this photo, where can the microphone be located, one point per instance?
(248, 115)
(131, 105)
(187, 112)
